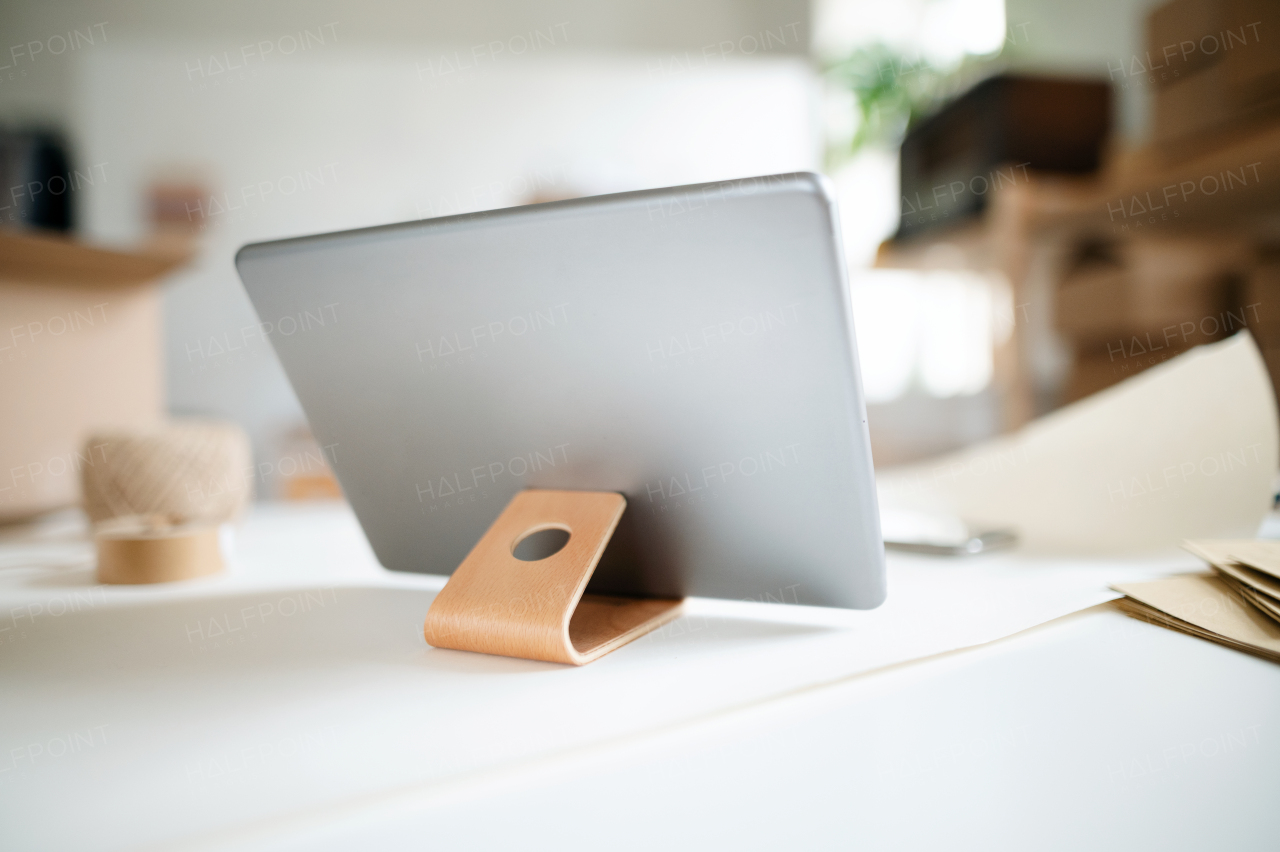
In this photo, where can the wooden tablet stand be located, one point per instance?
(496, 603)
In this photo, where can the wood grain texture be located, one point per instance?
(497, 604)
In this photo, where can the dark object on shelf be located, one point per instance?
(994, 135)
(36, 183)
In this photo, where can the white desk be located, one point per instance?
(1097, 732)
(320, 720)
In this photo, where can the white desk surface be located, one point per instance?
(294, 705)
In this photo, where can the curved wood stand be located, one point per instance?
(497, 604)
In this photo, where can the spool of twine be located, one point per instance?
(136, 550)
(186, 471)
(157, 498)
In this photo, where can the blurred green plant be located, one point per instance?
(892, 92)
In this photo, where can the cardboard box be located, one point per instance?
(1178, 291)
(1194, 107)
(1174, 35)
(1093, 304)
(1249, 32)
(1225, 71)
(80, 350)
(1182, 280)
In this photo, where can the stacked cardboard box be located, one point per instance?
(1215, 66)
(1129, 305)
(80, 350)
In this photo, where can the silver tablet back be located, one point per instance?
(690, 347)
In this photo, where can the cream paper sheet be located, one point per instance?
(1187, 449)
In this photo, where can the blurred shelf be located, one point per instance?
(46, 258)
(1148, 183)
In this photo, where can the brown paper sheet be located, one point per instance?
(1215, 551)
(1204, 605)
(1220, 554)
(1268, 606)
(1255, 581)
(1142, 612)
(1259, 555)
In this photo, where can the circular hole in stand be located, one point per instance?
(540, 544)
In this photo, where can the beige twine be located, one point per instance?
(188, 470)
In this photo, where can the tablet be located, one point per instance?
(691, 348)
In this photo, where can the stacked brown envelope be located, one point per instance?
(1237, 604)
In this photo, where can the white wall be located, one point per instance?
(38, 84)
(345, 136)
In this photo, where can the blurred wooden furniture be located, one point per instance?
(1166, 247)
(1112, 274)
